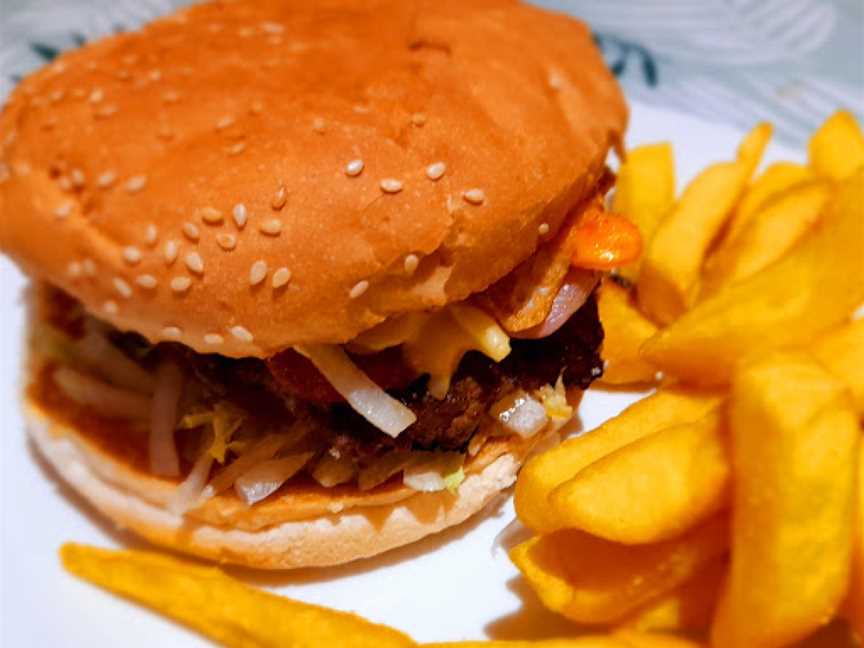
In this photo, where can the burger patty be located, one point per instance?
(573, 352)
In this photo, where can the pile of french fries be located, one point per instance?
(729, 504)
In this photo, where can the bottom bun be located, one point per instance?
(332, 539)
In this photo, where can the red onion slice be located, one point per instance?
(573, 294)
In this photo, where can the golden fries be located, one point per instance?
(767, 236)
(595, 581)
(795, 439)
(842, 353)
(626, 330)
(684, 469)
(688, 608)
(772, 183)
(543, 473)
(624, 639)
(777, 285)
(813, 288)
(219, 607)
(644, 192)
(670, 270)
(836, 151)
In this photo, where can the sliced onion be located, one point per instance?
(572, 295)
(265, 479)
(520, 413)
(368, 399)
(107, 400)
(263, 449)
(383, 469)
(188, 494)
(331, 471)
(163, 420)
(428, 473)
(111, 363)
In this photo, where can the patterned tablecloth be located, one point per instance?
(792, 62)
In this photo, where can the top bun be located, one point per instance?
(245, 176)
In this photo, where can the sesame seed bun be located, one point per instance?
(246, 176)
(303, 526)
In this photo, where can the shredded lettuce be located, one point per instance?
(224, 419)
(453, 480)
(554, 400)
(431, 472)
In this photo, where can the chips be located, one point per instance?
(668, 283)
(543, 473)
(754, 286)
(645, 192)
(795, 440)
(625, 331)
(219, 607)
(590, 580)
(813, 288)
(684, 469)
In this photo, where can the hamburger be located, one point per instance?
(310, 280)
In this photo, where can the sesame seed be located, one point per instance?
(130, 59)
(170, 97)
(22, 168)
(79, 93)
(171, 250)
(359, 288)
(97, 95)
(110, 307)
(211, 215)
(474, 196)
(556, 81)
(241, 334)
(124, 74)
(151, 233)
(279, 198)
(64, 183)
(213, 339)
(240, 214)
(76, 177)
(106, 179)
(180, 284)
(56, 95)
(165, 132)
(224, 122)
(237, 149)
(194, 262)
(155, 75)
(411, 263)
(272, 227)
(391, 185)
(89, 267)
(257, 272)
(105, 111)
(256, 108)
(64, 210)
(281, 277)
(172, 332)
(74, 270)
(226, 241)
(354, 168)
(543, 229)
(5, 173)
(436, 170)
(360, 109)
(131, 255)
(191, 231)
(122, 288)
(245, 32)
(418, 119)
(146, 281)
(318, 125)
(136, 183)
(272, 27)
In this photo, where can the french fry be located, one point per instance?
(766, 237)
(219, 607)
(812, 289)
(590, 580)
(626, 330)
(689, 608)
(775, 180)
(544, 472)
(842, 353)
(684, 470)
(836, 150)
(854, 609)
(645, 192)
(669, 279)
(591, 641)
(794, 440)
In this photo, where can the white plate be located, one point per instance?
(449, 587)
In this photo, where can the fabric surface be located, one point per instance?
(792, 62)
